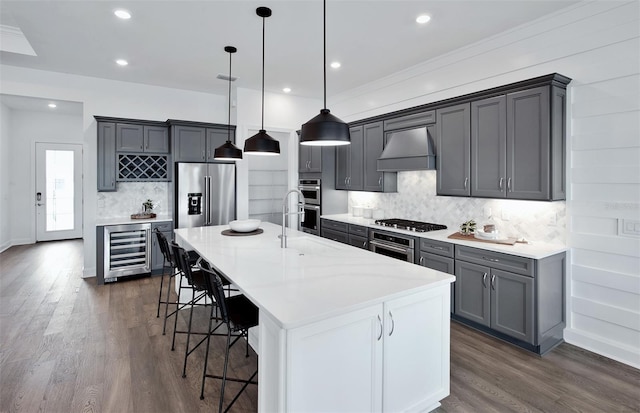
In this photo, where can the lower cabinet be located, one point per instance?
(355, 235)
(157, 259)
(438, 255)
(397, 353)
(518, 299)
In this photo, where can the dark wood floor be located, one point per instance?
(67, 345)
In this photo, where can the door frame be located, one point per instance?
(79, 188)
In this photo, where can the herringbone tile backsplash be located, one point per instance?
(416, 199)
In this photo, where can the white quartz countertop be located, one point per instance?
(127, 220)
(311, 280)
(535, 250)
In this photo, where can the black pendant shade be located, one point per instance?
(228, 151)
(261, 143)
(325, 129)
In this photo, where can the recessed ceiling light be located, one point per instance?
(286, 90)
(122, 62)
(335, 65)
(123, 14)
(52, 105)
(423, 18)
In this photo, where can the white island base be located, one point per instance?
(341, 329)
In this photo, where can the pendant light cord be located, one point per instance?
(262, 73)
(324, 46)
(229, 118)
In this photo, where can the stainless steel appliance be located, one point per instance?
(205, 194)
(310, 220)
(395, 245)
(127, 251)
(310, 188)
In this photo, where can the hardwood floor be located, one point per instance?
(68, 345)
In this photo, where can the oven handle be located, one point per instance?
(311, 187)
(389, 247)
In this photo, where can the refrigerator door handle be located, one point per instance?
(205, 205)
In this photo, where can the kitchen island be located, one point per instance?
(341, 329)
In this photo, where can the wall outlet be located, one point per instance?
(506, 215)
(553, 219)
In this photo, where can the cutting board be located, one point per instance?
(507, 241)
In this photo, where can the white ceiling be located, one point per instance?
(180, 44)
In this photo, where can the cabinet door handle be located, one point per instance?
(509, 185)
(484, 280)
(345, 181)
(491, 259)
(500, 184)
(203, 155)
(493, 281)
(380, 181)
(364, 244)
(466, 181)
(380, 322)
(393, 324)
(438, 248)
(421, 260)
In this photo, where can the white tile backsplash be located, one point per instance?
(129, 197)
(416, 199)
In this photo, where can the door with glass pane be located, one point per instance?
(58, 195)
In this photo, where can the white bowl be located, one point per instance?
(244, 225)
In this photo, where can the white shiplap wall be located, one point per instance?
(597, 44)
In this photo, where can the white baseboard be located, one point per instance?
(5, 246)
(616, 351)
(14, 242)
(89, 272)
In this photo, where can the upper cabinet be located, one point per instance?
(142, 138)
(453, 150)
(106, 156)
(509, 145)
(309, 158)
(196, 142)
(356, 164)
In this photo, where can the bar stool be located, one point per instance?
(239, 314)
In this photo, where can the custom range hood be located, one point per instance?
(408, 150)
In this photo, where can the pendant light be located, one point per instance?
(261, 143)
(228, 151)
(325, 129)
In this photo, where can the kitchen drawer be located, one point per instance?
(358, 230)
(338, 236)
(335, 225)
(437, 262)
(358, 241)
(436, 247)
(506, 262)
(162, 226)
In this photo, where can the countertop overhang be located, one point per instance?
(311, 280)
(129, 220)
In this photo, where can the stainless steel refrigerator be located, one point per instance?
(205, 194)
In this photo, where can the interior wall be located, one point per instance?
(5, 229)
(109, 98)
(597, 44)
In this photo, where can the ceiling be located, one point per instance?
(180, 44)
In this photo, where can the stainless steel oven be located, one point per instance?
(392, 245)
(310, 188)
(310, 221)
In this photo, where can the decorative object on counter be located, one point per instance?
(490, 228)
(233, 233)
(244, 225)
(261, 143)
(147, 207)
(468, 228)
(325, 129)
(472, 237)
(357, 211)
(367, 212)
(228, 151)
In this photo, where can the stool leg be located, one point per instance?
(224, 372)
(186, 350)
(166, 304)
(160, 293)
(175, 320)
(206, 354)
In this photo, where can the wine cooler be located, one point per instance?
(127, 250)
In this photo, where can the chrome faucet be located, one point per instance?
(285, 212)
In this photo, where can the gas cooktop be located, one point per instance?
(408, 225)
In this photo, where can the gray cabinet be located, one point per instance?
(357, 163)
(349, 161)
(453, 156)
(106, 156)
(157, 259)
(132, 137)
(515, 298)
(309, 158)
(197, 143)
(355, 235)
(489, 147)
(410, 121)
(438, 255)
